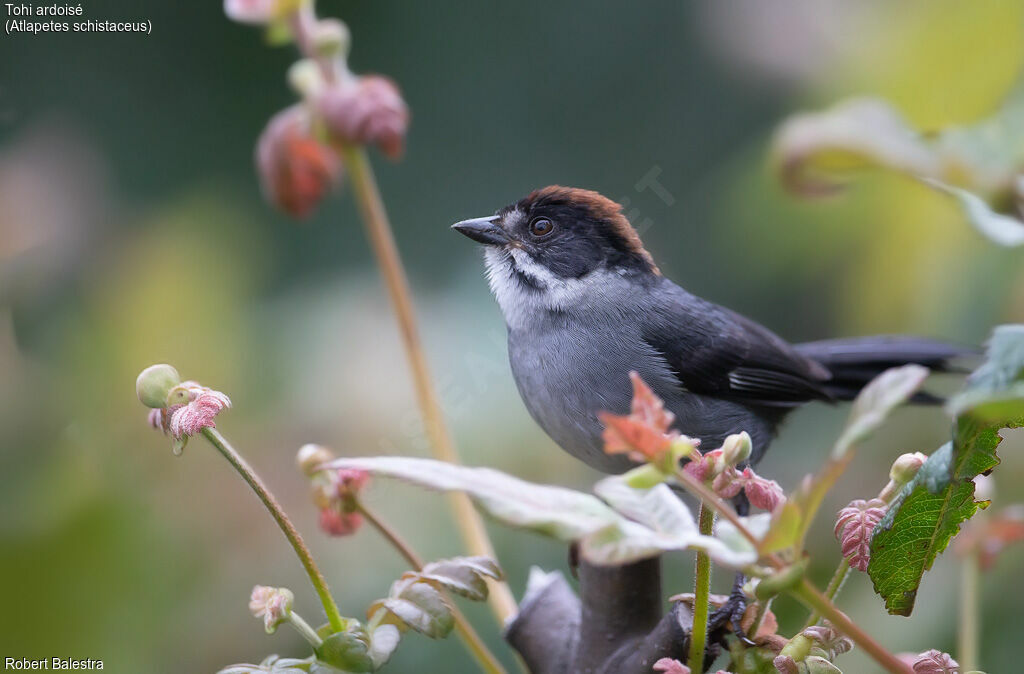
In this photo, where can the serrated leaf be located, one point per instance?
(980, 165)
(652, 521)
(462, 575)
(562, 513)
(878, 399)
(418, 606)
(929, 511)
(383, 643)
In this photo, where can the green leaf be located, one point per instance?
(658, 522)
(929, 511)
(464, 576)
(1006, 230)
(348, 651)
(878, 399)
(635, 523)
(561, 513)
(418, 606)
(383, 643)
(981, 165)
(786, 526)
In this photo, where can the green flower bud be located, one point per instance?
(736, 448)
(906, 466)
(798, 647)
(310, 457)
(331, 37)
(306, 78)
(155, 383)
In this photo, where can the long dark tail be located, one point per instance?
(854, 362)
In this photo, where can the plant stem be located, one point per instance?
(967, 646)
(307, 632)
(701, 594)
(375, 218)
(823, 605)
(290, 532)
(392, 536)
(474, 644)
(712, 499)
(834, 585)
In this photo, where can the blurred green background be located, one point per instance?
(132, 231)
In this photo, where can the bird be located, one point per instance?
(585, 304)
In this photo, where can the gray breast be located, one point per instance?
(567, 372)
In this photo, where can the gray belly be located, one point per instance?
(565, 378)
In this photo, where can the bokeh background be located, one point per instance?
(132, 231)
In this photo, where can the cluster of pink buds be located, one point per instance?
(178, 408)
(720, 469)
(646, 436)
(298, 156)
(335, 491)
(854, 527)
(855, 524)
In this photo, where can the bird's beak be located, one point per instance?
(483, 230)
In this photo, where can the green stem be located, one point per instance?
(970, 623)
(834, 585)
(474, 644)
(823, 605)
(307, 632)
(375, 218)
(290, 532)
(701, 594)
(709, 498)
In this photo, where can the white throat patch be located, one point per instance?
(523, 301)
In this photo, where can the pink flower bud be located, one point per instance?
(935, 662)
(160, 420)
(728, 483)
(295, 169)
(199, 413)
(251, 11)
(786, 665)
(337, 523)
(273, 604)
(854, 526)
(367, 111)
(705, 467)
(670, 666)
(763, 493)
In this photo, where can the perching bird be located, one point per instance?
(585, 304)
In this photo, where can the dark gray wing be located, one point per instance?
(714, 351)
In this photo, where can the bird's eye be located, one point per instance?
(541, 226)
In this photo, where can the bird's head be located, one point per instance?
(557, 247)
